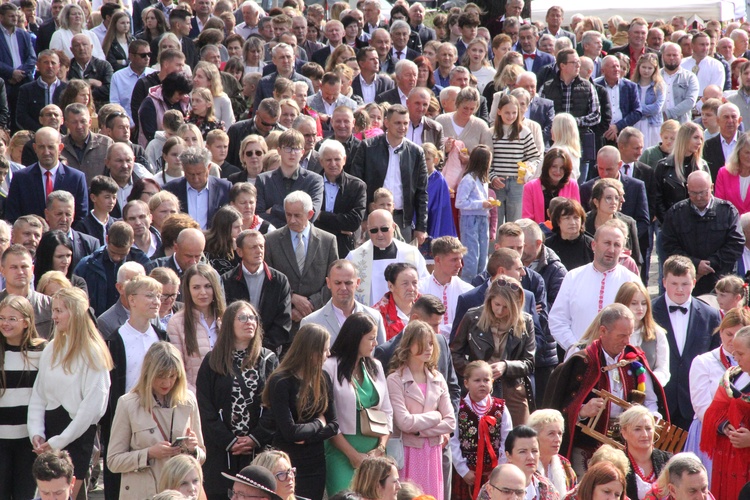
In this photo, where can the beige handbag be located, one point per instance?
(372, 422)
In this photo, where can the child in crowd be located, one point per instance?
(217, 142)
(731, 292)
(103, 197)
(709, 118)
(483, 424)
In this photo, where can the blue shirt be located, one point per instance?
(198, 205)
(305, 237)
(331, 191)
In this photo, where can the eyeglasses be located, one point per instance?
(151, 296)
(236, 494)
(505, 283)
(255, 152)
(699, 194)
(247, 318)
(382, 229)
(168, 296)
(12, 320)
(289, 150)
(144, 55)
(286, 474)
(509, 492)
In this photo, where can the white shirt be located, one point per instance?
(244, 30)
(121, 87)
(679, 322)
(448, 295)
(100, 31)
(728, 147)
(746, 258)
(614, 99)
(136, 345)
(705, 374)
(402, 96)
(395, 56)
(615, 385)
(578, 301)
(213, 330)
(368, 89)
(198, 204)
(668, 82)
(392, 180)
(710, 72)
(415, 133)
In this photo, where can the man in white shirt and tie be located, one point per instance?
(690, 325)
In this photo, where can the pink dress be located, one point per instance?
(424, 465)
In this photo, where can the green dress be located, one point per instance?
(339, 471)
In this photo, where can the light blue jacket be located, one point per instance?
(685, 94)
(470, 195)
(652, 105)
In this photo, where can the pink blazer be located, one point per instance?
(533, 199)
(419, 416)
(728, 188)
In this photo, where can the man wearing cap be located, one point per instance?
(253, 481)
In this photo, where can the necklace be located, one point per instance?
(481, 407)
(640, 473)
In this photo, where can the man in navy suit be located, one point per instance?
(690, 324)
(16, 62)
(541, 110)
(369, 83)
(200, 195)
(334, 32)
(624, 96)
(533, 59)
(30, 187)
(33, 96)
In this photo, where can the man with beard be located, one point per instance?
(681, 85)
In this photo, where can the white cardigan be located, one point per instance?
(346, 401)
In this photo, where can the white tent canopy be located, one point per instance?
(723, 10)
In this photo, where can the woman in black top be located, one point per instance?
(220, 239)
(55, 253)
(569, 239)
(300, 395)
(230, 383)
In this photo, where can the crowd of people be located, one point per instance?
(266, 250)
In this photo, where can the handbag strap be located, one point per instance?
(360, 407)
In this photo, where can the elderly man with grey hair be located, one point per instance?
(303, 253)
(59, 214)
(401, 35)
(406, 79)
(200, 195)
(250, 14)
(116, 316)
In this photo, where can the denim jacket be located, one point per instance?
(652, 105)
(470, 195)
(684, 93)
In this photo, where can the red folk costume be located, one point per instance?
(387, 308)
(571, 384)
(481, 444)
(731, 466)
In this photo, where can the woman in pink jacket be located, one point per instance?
(555, 180)
(194, 330)
(733, 179)
(422, 409)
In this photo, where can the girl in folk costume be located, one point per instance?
(483, 424)
(725, 436)
(705, 375)
(731, 292)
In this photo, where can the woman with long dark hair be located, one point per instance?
(358, 383)
(230, 384)
(55, 253)
(221, 239)
(555, 180)
(300, 396)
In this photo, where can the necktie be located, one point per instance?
(696, 69)
(529, 56)
(47, 97)
(627, 167)
(299, 252)
(398, 54)
(48, 183)
(682, 309)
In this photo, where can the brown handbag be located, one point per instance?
(372, 422)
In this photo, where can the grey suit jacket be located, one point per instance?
(326, 317)
(321, 251)
(42, 306)
(316, 102)
(432, 133)
(112, 319)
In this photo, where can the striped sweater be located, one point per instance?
(20, 373)
(506, 153)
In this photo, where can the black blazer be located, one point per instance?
(382, 84)
(44, 36)
(31, 100)
(348, 212)
(167, 262)
(542, 111)
(272, 191)
(26, 194)
(714, 156)
(313, 163)
(391, 96)
(218, 194)
(371, 164)
(83, 245)
(89, 225)
(645, 174)
(322, 55)
(704, 319)
(100, 70)
(275, 303)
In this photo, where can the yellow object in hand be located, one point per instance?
(521, 172)
(496, 203)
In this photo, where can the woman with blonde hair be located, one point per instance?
(667, 135)
(202, 112)
(339, 56)
(422, 409)
(483, 334)
(252, 55)
(733, 179)
(157, 420)
(299, 394)
(193, 137)
(71, 388)
(550, 425)
(72, 21)
(638, 429)
(163, 205)
(207, 76)
(475, 58)
(20, 352)
(252, 149)
(672, 172)
(376, 479)
(564, 135)
(280, 466)
(194, 329)
(653, 96)
(182, 473)
(648, 335)
(51, 282)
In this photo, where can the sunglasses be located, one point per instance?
(382, 229)
(252, 153)
(145, 55)
(505, 283)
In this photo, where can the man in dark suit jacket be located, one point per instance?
(533, 59)
(299, 242)
(369, 67)
(372, 162)
(271, 293)
(695, 336)
(344, 206)
(629, 111)
(188, 250)
(283, 59)
(334, 33)
(46, 30)
(32, 96)
(189, 188)
(29, 188)
(86, 67)
(15, 75)
(713, 150)
(59, 215)
(541, 110)
(179, 24)
(406, 80)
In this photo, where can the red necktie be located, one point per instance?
(49, 187)
(529, 56)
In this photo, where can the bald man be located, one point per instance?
(372, 257)
(29, 187)
(188, 250)
(89, 65)
(422, 128)
(504, 480)
(706, 229)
